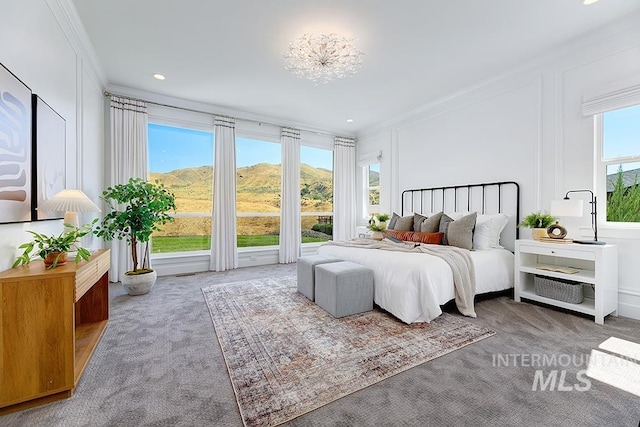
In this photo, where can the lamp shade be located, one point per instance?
(69, 201)
(567, 207)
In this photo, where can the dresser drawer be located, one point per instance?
(558, 252)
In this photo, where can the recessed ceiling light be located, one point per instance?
(158, 76)
(349, 120)
(588, 2)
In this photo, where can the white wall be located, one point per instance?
(526, 126)
(38, 47)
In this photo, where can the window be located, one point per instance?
(259, 173)
(316, 194)
(621, 164)
(182, 159)
(372, 179)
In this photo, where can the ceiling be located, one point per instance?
(229, 53)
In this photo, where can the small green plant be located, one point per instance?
(537, 220)
(61, 244)
(382, 217)
(137, 208)
(376, 227)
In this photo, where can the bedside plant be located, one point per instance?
(382, 217)
(538, 222)
(377, 227)
(54, 249)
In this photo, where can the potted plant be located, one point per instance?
(54, 249)
(382, 219)
(136, 210)
(377, 227)
(538, 222)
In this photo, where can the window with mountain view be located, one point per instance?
(621, 159)
(373, 187)
(259, 172)
(316, 194)
(182, 159)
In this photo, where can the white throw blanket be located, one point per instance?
(458, 259)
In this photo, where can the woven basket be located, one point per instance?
(558, 289)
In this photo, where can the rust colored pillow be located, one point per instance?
(415, 236)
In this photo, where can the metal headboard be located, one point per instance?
(485, 198)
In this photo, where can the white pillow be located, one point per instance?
(486, 235)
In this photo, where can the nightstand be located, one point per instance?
(598, 270)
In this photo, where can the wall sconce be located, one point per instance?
(568, 207)
(70, 202)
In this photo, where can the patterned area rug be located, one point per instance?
(286, 356)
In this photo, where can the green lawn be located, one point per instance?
(203, 243)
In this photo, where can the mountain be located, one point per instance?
(259, 183)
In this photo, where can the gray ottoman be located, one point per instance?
(344, 288)
(306, 274)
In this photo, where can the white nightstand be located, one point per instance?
(598, 266)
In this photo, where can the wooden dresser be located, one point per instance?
(50, 323)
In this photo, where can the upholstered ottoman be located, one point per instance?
(306, 274)
(344, 288)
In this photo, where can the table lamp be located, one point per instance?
(569, 207)
(70, 202)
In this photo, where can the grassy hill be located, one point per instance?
(258, 187)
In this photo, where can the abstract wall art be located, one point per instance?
(15, 148)
(49, 136)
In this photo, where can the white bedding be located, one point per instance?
(413, 286)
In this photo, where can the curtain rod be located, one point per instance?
(106, 93)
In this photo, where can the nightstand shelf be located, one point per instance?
(598, 271)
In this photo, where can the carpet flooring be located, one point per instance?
(160, 364)
(286, 356)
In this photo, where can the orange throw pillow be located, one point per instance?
(416, 236)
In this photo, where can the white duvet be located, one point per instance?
(413, 286)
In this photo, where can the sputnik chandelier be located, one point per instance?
(322, 58)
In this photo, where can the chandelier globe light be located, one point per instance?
(322, 58)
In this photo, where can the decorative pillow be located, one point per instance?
(431, 224)
(459, 232)
(417, 221)
(404, 223)
(414, 236)
(392, 222)
(486, 235)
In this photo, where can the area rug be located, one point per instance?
(286, 356)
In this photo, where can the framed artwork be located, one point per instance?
(49, 171)
(15, 149)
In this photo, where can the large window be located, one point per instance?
(259, 172)
(621, 161)
(182, 159)
(316, 194)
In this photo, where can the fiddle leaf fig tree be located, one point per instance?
(136, 210)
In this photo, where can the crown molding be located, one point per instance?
(624, 31)
(65, 13)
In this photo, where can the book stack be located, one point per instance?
(552, 240)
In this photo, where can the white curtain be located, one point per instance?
(128, 159)
(224, 254)
(344, 189)
(290, 237)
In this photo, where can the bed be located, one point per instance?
(413, 286)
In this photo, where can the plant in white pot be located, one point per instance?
(538, 222)
(136, 210)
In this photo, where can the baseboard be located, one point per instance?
(629, 303)
(185, 263)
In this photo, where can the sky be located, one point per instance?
(621, 133)
(172, 148)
